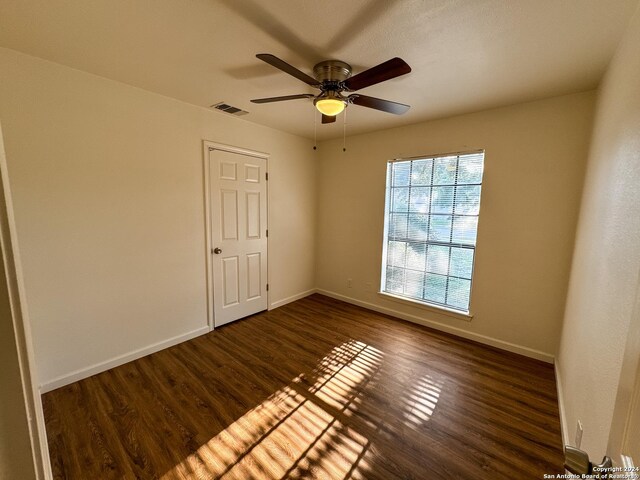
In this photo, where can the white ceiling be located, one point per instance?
(466, 55)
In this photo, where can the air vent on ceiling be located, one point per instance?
(225, 107)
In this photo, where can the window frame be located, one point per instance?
(422, 303)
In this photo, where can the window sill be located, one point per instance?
(466, 316)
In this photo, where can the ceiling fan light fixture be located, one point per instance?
(330, 105)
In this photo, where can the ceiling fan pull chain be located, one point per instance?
(344, 131)
(315, 129)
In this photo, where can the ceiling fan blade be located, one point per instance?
(285, 67)
(379, 104)
(385, 71)
(282, 99)
(328, 119)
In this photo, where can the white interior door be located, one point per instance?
(238, 206)
(630, 451)
(624, 437)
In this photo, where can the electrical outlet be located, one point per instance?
(349, 283)
(579, 434)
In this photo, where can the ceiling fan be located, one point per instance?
(333, 78)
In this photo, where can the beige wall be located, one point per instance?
(534, 168)
(107, 182)
(604, 278)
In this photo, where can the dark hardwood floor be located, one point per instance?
(315, 389)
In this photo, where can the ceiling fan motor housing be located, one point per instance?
(332, 72)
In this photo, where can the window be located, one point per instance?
(431, 221)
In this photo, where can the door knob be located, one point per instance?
(217, 251)
(577, 462)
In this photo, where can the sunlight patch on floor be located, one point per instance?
(295, 432)
(421, 401)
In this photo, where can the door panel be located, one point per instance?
(229, 214)
(230, 281)
(252, 173)
(238, 196)
(228, 170)
(253, 215)
(254, 280)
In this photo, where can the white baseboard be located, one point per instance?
(63, 380)
(563, 419)
(128, 357)
(292, 298)
(494, 342)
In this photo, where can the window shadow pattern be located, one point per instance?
(315, 389)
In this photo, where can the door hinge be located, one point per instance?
(267, 287)
(266, 176)
(267, 233)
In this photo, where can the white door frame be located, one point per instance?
(208, 147)
(22, 326)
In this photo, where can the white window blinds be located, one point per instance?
(431, 222)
